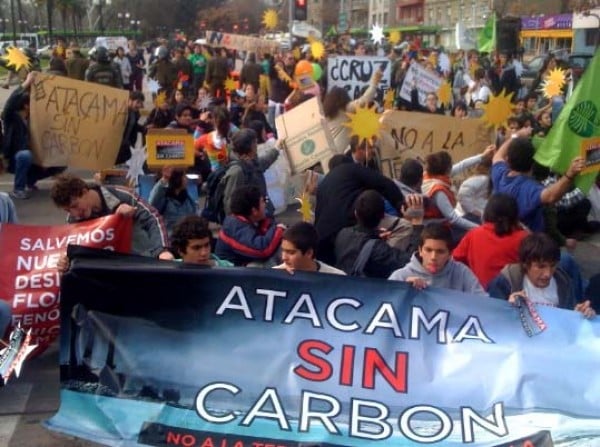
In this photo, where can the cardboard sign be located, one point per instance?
(170, 147)
(354, 74)
(241, 43)
(75, 123)
(415, 135)
(590, 151)
(426, 82)
(306, 137)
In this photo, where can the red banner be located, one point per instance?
(29, 278)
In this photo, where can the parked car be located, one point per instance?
(578, 62)
(531, 70)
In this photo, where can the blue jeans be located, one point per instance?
(27, 173)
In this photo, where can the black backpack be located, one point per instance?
(214, 208)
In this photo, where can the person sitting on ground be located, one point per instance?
(191, 241)
(437, 185)
(382, 259)
(538, 278)
(337, 194)
(170, 197)
(248, 236)
(511, 174)
(16, 145)
(298, 249)
(491, 246)
(84, 201)
(433, 265)
(8, 212)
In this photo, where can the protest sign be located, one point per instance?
(29, 279)
(266, 358)
(169, 147)
(75, 123)
(354, 74)
(306, 137)
(242, 43)
(416, 135)
(426, 81)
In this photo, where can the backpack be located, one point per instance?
(362, 258)
(214, 208)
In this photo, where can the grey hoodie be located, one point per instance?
(455, 275)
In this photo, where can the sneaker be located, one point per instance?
(20, 194)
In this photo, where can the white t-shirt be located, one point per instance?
(322, 268)
(547, 296)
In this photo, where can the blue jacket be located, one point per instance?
(240, 241)
(170, 208)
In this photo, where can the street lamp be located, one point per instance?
(100, 4)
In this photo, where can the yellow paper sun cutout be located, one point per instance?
(364, 123)
(297, 53)
(270, 19)
(230, 84)
(388, 99)
(317, 50)
(17, 59)
(497, 110)
(444, 93)
(553, 83)
(305, 209)
(394, 37)
(161, 98)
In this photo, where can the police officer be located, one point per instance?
(104, 71)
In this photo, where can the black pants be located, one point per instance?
(573, 220)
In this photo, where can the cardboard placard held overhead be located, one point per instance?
(241, 43)
(416, 135)
(354, 74)
(305, 135)
(170, 147)
(425, 80)
(75, 123)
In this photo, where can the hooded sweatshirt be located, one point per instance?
(455, 275)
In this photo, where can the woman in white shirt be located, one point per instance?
(123, 62)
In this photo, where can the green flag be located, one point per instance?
(486, 38)
(577, 130)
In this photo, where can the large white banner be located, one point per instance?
(355, 72)
(425, 80)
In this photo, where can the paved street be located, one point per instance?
(34, 397)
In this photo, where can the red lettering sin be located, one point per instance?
(323, 368)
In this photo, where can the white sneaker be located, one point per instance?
(20, 194)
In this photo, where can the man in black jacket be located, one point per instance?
(383, 259)
(336, 196)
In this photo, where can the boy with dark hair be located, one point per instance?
(298, 247)
(248, 235)
(433, 265)
(84, 202)
(511, 169)
(382, 259)
(191, 241)
(538, 277)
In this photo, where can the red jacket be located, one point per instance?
(486, 253)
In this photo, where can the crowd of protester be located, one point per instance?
(497, 232)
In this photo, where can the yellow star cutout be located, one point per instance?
(388, 99)
(17, 59)
(230, 84)
(553, 83)
(317, 50)
(395, 37)
(161, 98)
(283, 75)
(444, 93)
(297, 53)
(305, 209)
(270, 19)
(497, 110)
(364, 123)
